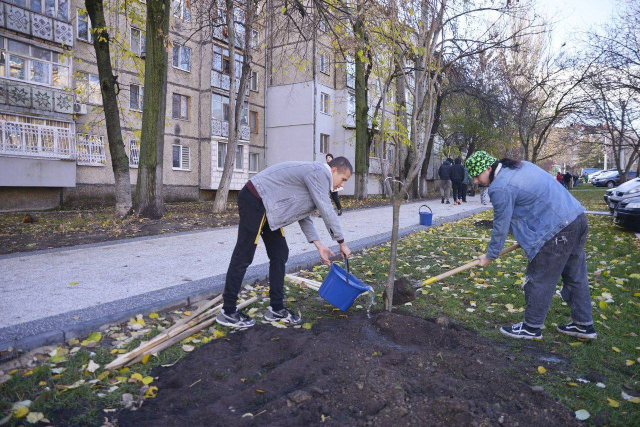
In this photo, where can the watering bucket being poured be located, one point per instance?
(340, 288)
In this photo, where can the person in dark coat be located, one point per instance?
(444, 173)
(567, 180)
(457, 178)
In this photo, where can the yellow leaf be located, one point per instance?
(613, 403)
(103, 375)
(575, 344)
(218, 334)
(630, 362)
(153, 315)
(41, 383)
(114, 351)
(187, 313)
(147, 380)
(21, 412)
(145, 359)
(635, 276)
(136, 377)
(603, 304)
(35, 417)
(28, 373)
(73, 283)
(307, 325)
(93, 337)
(572, 384)
(637, 294)
(259, 391)
(616, 349)
(541, 370)
(151, 392)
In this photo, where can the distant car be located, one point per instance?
(611, 179)
(607, 195)
(589, 171)
(624, 191)
(627, 214)
(594, 175)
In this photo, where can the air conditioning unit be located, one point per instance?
(79, 108)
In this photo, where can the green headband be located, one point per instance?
(479, 162)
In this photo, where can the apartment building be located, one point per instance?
(53, 146)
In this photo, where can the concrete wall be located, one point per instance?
(28, 198)
(34, 172)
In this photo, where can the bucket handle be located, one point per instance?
(425, 206)
(346, 264)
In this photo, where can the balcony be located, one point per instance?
(221, 128)
(34, 24)
(24, 139)
(35, 97)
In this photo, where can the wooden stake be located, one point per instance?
(311, 284)
(465, 267)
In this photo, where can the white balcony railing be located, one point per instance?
(221, 128)
(24, 139)
(91, 150)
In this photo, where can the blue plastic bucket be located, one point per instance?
(425, 217)
(337, 292)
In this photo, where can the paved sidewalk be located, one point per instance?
(47, 295)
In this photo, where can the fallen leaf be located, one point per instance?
(616, 349)
(147, 380)
(187, 313)
(582, 414)
(92, 367)
(21, 412)
(613, 403)
(94, 337)
(630, 362)
(151, 392)
(136, 377)
(153, 315)
(541, 370)
(73, 283)
(35, 417)
(145, 359)
(307, 325)
(629, 398)
(259, 391)
(218, 334)
(188, 348)
(603, 304)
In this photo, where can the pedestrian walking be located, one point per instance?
(551, 226)
(466, 184)
(444, 173)
(457, 177)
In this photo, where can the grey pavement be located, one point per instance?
(53, 295)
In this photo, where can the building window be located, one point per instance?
(325, 103)
(351, 107)
(253, 162)
(138, 42)
(56, 9)
(88, 88)
(254, 81)
(222, 153)
(181, 158)
(253, 121)
(324, 143)
(83, 26)
(180, 107)
(219, 107)
(136, 95)
(239, 158)
(255, 41)
(181, 57)
(134, 153)
(26, 62)
(324, 63)
(351, 72)
(181, 9)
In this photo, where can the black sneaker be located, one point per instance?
(339, 212)
(443, 200)
(284, 316)
(448, 201)
(522, 331)
(580, 331)
(236, 320)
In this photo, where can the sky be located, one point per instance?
(572, 18)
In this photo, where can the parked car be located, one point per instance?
(624, 191)
(607, 195)
(589, 171)
(594, 175)
(611, 179)
(627, 214)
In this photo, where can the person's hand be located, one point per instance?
(484, 261)
(325, 253)
(345, 250)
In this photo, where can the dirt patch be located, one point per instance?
(391, 369)
(20, 232)
(403, 292)
(485, 223)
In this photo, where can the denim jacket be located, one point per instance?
(533, 203)
(291, 191)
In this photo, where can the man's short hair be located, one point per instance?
(342, 164)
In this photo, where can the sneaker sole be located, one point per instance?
(278, 319)
(521, 337)
(578, 334)
(232, 325)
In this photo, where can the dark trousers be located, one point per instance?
(336, 199)
(464, 192)
(561, 256)
(457, 189)
(253, 223)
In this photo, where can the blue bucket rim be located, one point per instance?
(342, 272)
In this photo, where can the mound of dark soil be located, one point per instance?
(389, 370)
(403, 292)
(486, 223)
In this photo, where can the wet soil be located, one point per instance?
(403, 291)
(392, 369)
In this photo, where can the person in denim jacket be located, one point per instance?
(551, 227)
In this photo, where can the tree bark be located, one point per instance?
(109, 89)
(388, 295)
(149, 202)
(362, 109)
(236, 101)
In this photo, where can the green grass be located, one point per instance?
(591, 197)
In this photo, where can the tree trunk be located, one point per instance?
(236, 101)
(149, 202)
(109, 88)
(388, 295)
(362, 110)
(437, 116)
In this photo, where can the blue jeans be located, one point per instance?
(561, 256)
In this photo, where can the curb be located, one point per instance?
(79, 323)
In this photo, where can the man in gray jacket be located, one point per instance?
(276, 197)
